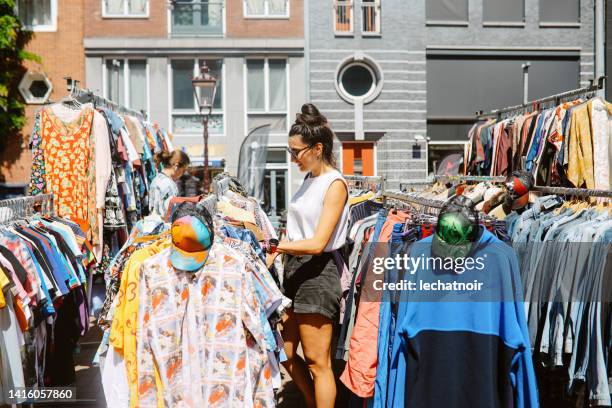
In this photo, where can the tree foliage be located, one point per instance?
(13, 40)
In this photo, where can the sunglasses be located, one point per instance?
(295, 153)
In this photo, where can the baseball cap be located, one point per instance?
(192, 236)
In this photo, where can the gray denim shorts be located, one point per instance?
(313, 284)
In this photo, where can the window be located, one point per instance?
(275, 194)
(266, 8)
(266, 81)
(343, 17)
(447, 11)
(38, 15)
(126, 83)
(35, 87)
(504, 12)
(197, 17)
(559, 11)
(186, 118)
(451, 79)
(125, 8)
(370, 17)
(358, 80)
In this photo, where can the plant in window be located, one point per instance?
(13, 40)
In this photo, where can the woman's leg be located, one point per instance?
(316, 336)
(295, 365)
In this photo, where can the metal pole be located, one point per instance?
(526, 81)
(600, 41)
(206, 175)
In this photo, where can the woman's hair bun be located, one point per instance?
(311, 116)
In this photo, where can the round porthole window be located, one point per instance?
(358, 80)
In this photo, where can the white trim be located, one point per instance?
(148, 88)
(401, 81)
(334, 10)
(376, 110)
(560, 25)
(126, 11)
(447, 142)
(384, 131)
(187, 112)
(375, 159)
(373, 51)
(335, 61)
(381, 120)
(404, 91)
(509, 24)
(402, 71)
(267, 111)
(170, 94)
(43, 28)
(377, 8)
(445, 23)
(266, 15)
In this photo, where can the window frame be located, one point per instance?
(187, 112)
(450, 23)
(496, 23)
(266, 15)
(378, 8)
(43, 28)
(126, 80)
(267, 111)
(351, 31)
(126, 11)
(560, 24)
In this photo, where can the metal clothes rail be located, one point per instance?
(576, 192)
(427, 202)
(89, 96)
(491, 179)
(22, 207)
(595, 85)
(376, 182)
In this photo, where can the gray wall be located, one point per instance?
(401, 51)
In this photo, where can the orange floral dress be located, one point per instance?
(70, 174)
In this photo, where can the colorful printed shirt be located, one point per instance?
(123, 331)
(202, 331)
(163, 188)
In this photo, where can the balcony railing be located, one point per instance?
(197, 18)
(343, 16)
(370, 17)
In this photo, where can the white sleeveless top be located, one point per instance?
(305, 210)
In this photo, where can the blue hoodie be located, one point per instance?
(460, 354)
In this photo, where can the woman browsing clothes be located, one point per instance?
(163, 187)
(316, 226)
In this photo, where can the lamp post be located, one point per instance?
(205, 87)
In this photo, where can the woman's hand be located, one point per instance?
(270, 259)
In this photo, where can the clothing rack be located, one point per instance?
(426, 202)
(89, 96)
(595, 86)
(22, 207)
(577, 192)
(378, 182)
(478, 179)
(210, 203)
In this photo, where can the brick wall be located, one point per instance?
(238, 26)
(154, 26)
(62, 55)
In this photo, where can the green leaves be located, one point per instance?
(13, 40)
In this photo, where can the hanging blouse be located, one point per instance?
(70, 167)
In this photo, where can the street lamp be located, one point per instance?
(205, 87)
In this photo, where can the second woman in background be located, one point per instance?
(163, 187)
